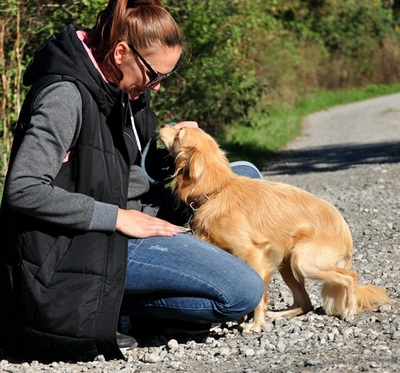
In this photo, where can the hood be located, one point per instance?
(64, 54)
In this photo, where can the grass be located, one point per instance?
(270, 132)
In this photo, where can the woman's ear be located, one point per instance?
(120, 52)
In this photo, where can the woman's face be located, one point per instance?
(137, 76)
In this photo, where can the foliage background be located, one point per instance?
(248, 57)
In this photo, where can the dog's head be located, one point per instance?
(201, 167)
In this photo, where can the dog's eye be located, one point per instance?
(177, 136)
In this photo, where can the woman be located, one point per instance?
(75, 193)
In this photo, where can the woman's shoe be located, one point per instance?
(126, 341)
(144, 328)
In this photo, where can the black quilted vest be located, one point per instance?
(60, 291)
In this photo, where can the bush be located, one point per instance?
(219, 86)
(246, 56)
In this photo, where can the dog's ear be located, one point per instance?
(189, 165)
(196, 165)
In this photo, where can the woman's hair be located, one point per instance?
(141, 23)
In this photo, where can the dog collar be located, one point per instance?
(195, 205)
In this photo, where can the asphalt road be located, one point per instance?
(365, 132)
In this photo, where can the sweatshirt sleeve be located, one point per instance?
(54, 127)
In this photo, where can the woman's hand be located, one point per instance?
(187, 123)
(136, 224)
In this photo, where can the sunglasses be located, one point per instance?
(155, 76)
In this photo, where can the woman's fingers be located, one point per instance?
(139, 225)
(187, 123)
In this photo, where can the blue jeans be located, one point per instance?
(184, 278)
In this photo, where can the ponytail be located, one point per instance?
(141, 23)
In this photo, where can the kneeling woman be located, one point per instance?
(81, 226)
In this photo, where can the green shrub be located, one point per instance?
(219, 86)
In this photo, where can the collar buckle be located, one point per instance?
(194, 205)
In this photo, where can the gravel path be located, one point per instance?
(349, 155)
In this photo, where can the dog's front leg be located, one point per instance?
(258, 323)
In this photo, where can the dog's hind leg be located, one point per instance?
(322, 260)
(339, 292)
(301, 300)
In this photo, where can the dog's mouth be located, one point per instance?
(167, 144)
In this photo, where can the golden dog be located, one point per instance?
(270, 226)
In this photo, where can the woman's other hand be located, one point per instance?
(187, 123)
(136, 224)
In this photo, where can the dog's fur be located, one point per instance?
(270, 226)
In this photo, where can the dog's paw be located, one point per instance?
(252, 327)
(348, 313)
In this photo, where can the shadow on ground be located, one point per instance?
(331, 158)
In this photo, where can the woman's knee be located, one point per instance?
(244, 168)
(244, 298)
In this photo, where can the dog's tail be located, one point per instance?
(368, 298)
